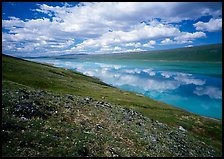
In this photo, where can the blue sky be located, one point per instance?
(55, 28)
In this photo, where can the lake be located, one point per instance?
(192, 86)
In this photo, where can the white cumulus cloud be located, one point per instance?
(187, 79)
(212, 92)
(101, 27)
(211, 26)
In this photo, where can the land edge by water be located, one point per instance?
(203, 53)
(17, 105)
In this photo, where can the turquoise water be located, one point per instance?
(193, 86)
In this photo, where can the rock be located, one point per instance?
(128, 118)
(139, 123)
(131, 112)
(113, 153)
(67, 106)
(10, 126)
(56, 134)
(101, 103)
(28, 111)
(70, 97)
(83, 152)
(107, 105)
(141, 95)
(98, 127)
(182, 129)
(48, 108)
(128, 127)
(24, 119)
(80, 103)
(153, 138)
(88, 99)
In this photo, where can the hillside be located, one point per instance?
(49, 111)
(208, 53)
(212, 53)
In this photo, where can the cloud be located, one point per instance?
(187, 79)
(103, 27)
(183, 78)
(211, 26)
(145, 84)
(183, 38)
(128, 38)
(138, 44)
(150, 44)
(190, 36)
(167, 41)
(133, 50)
(149, 72)
(132, 71)
(212, 92)
(105, 13)
(167, 74)
(118, 75)
(12, 23)
(35, 34)
(189, 46)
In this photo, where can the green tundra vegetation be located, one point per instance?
(49, 111)
(208, 53)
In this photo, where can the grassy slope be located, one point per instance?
(212, 53)
(17, 73)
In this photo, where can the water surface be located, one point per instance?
(193, 86)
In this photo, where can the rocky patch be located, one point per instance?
(49, 124)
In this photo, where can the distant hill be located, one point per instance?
(210, 53)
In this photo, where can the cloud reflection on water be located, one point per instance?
(198, 94)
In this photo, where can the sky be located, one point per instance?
(57, 28)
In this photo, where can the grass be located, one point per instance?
(18, 73)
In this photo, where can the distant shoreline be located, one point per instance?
(215, 119)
